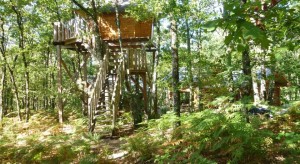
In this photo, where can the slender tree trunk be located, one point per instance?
(200, 106)
(59, 85)
(2, 104)
(271, 87)
(12, 77)
(52, 100)
(46, 85)
(190, 65)
(16, 91)
(26, 89)
(155, 65)
(175, 69)
(290, 93)
(297, 88)
(118, 26)
(2, 71)
(22, 47)
(137, 103)
(116, 110)
(84, 94)
(247, 91)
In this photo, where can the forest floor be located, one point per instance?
(43, 140)
(204, 137)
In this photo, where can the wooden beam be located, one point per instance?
(67, 70)
(129, 40)
(137, 72)
(136, 82)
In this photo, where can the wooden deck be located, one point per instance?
(71, 35)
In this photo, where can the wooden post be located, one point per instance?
(59, 85)
(85, 96)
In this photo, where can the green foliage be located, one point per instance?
(144, 145)
(211, 136)
(222, 135)
(42, 140)
(208, 137)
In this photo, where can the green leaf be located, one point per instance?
(252, 32)
(241, 47)
(228, 39)
(211, 25)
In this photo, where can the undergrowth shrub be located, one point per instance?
(206, 137)
(287, 128)
(144, 145)
(225, 136)
(43, 140)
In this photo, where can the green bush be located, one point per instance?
(226, 136)
(204, 137)
(144, 145)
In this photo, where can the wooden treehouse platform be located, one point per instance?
(129, 66)
(70, 35)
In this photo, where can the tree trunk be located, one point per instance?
(26, 89)
(2, 104)
(271, 87)
(16, 92)
(59, 85)
(2, 71)
(22, 47)
(175, 69)
(137, 103)
(297, 88)
(190, 65)
(155, 65)
(247, 90)
(84, 94)
(52, 100)
(116, 110)
(200, 105)
(12, 77)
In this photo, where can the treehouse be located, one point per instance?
(118, 71)
(133, 33)
(266, 85)
(270, 88)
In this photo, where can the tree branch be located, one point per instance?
(83, 8)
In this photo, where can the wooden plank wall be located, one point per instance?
(130, 28)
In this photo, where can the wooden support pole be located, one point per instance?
(85, 96)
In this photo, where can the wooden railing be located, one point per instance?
(117, 90)
(94, 91)
(133, 59)
(137, 60)
(72, 29)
